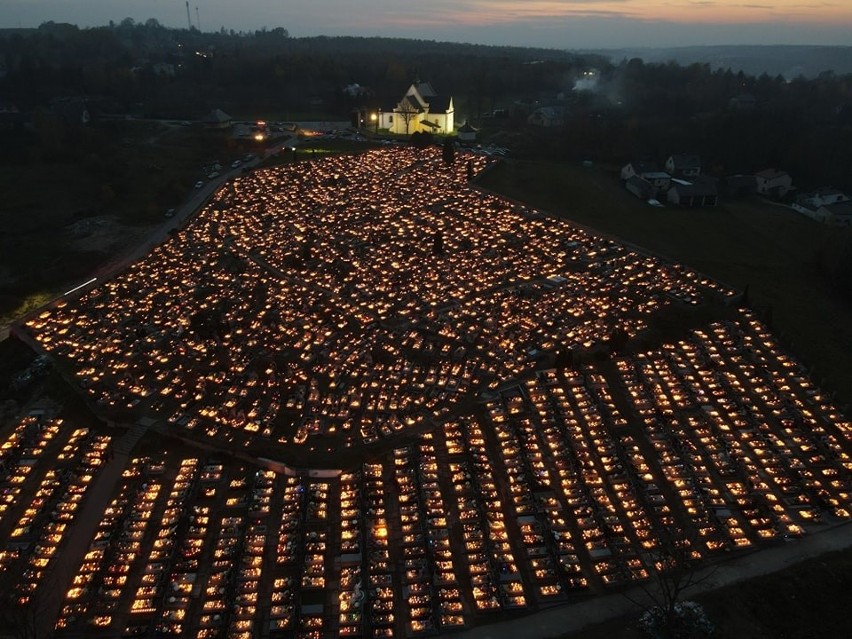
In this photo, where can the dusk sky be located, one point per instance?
(566, 24)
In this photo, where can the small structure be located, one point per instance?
(640, 187)
(825, 205)
(684, 165)
(822, 197)
(216, 119)
(660, 180)
(648, 172)
(774, 183)
(693, 194)
(639, 168)
(837, 214)
(467, 133)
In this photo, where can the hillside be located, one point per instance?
(788, 61)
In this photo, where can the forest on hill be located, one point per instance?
(612, 112)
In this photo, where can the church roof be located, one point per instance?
(410, 103)
(426, 90)
(423, 97)
(438, 104)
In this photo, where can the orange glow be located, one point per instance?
(494, 12)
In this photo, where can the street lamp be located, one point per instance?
(375, 118)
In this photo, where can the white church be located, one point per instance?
(420, 109)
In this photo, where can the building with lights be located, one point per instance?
(420, 109)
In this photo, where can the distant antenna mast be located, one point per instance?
(188, 20)
(197, 18)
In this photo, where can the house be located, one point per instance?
(216, 119)
(639, 168)
(650, 172)
(824, 205)
(420, 109)
(837, 213)
(660, 180)
(683, 165)
(547, 117)
(774, 183)
(693, 194)
(821, 197)
(640, 187)
(467, 133)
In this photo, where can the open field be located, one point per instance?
(768, 248)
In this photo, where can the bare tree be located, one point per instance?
(675, 570)
(407, 112)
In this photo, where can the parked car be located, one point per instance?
(199, 184)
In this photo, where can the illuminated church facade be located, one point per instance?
(420, 109)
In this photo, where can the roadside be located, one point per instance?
(566, 621)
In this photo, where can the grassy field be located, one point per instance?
(769, 249)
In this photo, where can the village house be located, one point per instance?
(774, 183)
(640, 168)
(217, 119)
(825, 205)
(421, 109)
(467, 133)
(683, 165)
(658, 181)
(821, 197)
(639, 187)
(837, 214)
(693, 194)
